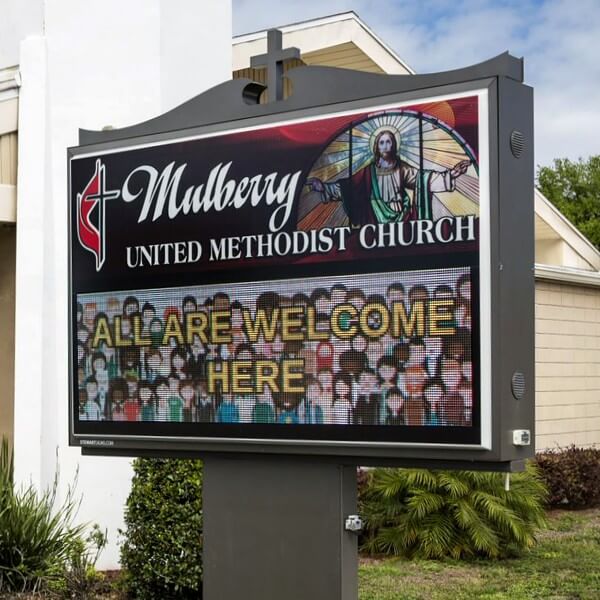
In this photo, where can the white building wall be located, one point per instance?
(94, 64)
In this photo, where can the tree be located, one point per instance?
(574, 188)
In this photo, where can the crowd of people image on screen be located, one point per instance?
(377, 380)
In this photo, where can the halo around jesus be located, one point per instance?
(380, 129)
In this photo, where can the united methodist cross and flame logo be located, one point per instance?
(93, 236)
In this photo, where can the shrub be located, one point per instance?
(80, 580)
(38, 541)
(458, 514)
(572, 476)
(162, 549)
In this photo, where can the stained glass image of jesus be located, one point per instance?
(396, 166)
(378, 192)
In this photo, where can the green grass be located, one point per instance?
(565, 565)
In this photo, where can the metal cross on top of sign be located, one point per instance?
(273, 60)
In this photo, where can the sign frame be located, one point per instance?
(321, 92)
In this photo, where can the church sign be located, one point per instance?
(341, 280)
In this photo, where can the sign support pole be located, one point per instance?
(275, 528)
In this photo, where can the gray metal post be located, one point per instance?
(274, 528)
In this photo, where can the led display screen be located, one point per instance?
(319, 280)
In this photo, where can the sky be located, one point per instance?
(559, 39)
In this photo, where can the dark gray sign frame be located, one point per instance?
(319, 91)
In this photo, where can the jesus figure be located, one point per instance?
(377, 193)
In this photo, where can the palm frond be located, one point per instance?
(415, 512)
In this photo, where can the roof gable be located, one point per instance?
(558, 242)
(345, 32)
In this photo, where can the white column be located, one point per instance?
(113, 63)
(33, 186)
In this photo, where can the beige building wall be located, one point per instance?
(8, 181)
(8, 158)
(8, 175)
(344, 56)
(567, 365)
(260, 76)
(7, 328)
